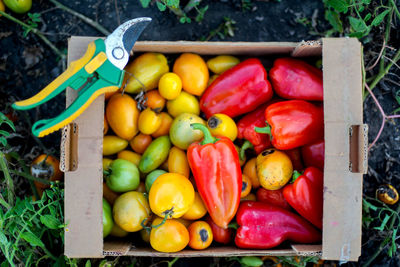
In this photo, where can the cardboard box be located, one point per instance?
(345, 154)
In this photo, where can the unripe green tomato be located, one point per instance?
(155, 154)
(107, 218)
(123, 176)
(151, 177)
(181, 134)
(18, 6)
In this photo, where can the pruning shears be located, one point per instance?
(99, 71)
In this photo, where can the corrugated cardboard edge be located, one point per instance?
(308, 49)
(83, 187)
(342, 188)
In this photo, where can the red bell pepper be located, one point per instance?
(273, 197)
(220, 235)
(293, 123)
(295, 79)
(305, 195)
(264, 226)
(295, 156)
(314, 154)
(216, 169)
(238, 90)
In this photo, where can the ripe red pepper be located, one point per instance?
(305, 195)
(216, 169)
(220, 235)
(295, 157)
(272, 197)
(293, 123)
(314, 154)
(238, 90)
(264, 226)
(295, 79)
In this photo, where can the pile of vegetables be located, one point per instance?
(237, 157)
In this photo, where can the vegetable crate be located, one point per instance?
(345, 153)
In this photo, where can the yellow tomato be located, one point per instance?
(184, 103)
(140, 142)
(246, 186)
(221, 124)
(113, 144)
(106, 163)
(172, 236)
(147, 70)
(212, 78)
(251, 171)
(170, 86)
(220, 64)
(149, 121)
(118, 231)
(250, 196)
(130, 156)
(171, 195)
(274, 169)
(2, 7)
(166, 121)
(155, 101)
(105, 129)
(181, 134)
(387, 194)
(193, 72)
(200, 235)
(122, 115)
(129, 210)
(197, 210)
(177, 162)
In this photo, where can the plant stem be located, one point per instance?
(190, 5)
(9, 181)
(396, 10)
(30, 177)
(4, 203)
(89, 21)
(171, 263)
(386, 38)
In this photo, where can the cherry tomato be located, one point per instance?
(149, 121)
(113, 144)
(221, 124)
(220, 234)
(166, 121)
(46, 167)
(177, 162)
(200, 235)
(197, 210)
(155, 101)
(122, 115)
(172, 236)
(105, 129)
(122, 176)
(107, 218)
(387, 194)
(109, 195)
(250, 170)
(140, 142)
(222, 63)
(18, 6)
(184, 103)
(246, 186)
(171, 195)
(170, 86)
(130, 209)
(129, 156)
(151, 177)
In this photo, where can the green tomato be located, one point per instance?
(123, 176)
(151, 177)
(118, 231)
(108, 222)
(18, 6)
(181, 134)
(155, 154)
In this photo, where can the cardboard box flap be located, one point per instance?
(307, 250)
(342, 188)
(116, 247)
(308, 49)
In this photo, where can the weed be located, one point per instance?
(225, 29)
(34, 19)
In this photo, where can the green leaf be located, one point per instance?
(162, 7)
(5, 133)
(378, 19)
(88, 263)
(367, 17)
(334, 19)
(339, 5)
(251, 261)
(368, 205)
(50, 221)
(3, 239)
(32, 239)
(383, 224)
(357, 24)
(145, 3)
(393, 247)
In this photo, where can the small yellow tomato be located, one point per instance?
(149, 121)
(105, 128)
(118, 231)
(200, 235)
(387, 194)
(193, 72)
(246, 186)
(130, 156)
(220, 64)
(212, 78)
(155, 101)
(251, 171)
(222, 125)
(140, 142)
(147, 70)
(171, 195)
(241, 161)
(274, 169)
(106, 163)
(177, 162)
(113, 144)
(130, 209)
(166, 121)
(170, 86)
(172, 236)
(184, 103)
(251, 197)
(197, 210)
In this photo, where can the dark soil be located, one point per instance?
(27, 65)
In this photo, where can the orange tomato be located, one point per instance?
(251, 171)
(200, 235)
(129, 156)
(177, 162)
(166, 121)
(155, 101)
(246, 186)
(105, 129)
(46, 167)
(172, 236)
(108, 95)
(193, 72)
(109, 195)
(149, 121)
(140, 142)
(122, 116)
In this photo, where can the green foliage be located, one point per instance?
(225, 29)
(34, 19)
(247, 261)
(297, 261)
(4, 133)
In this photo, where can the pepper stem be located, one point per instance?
(296, 175)
(208, 138)
(243, 149)
(264, 130)
(233, 225)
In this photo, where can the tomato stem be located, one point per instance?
(208, 138)
(243, 149)
(296, 175)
